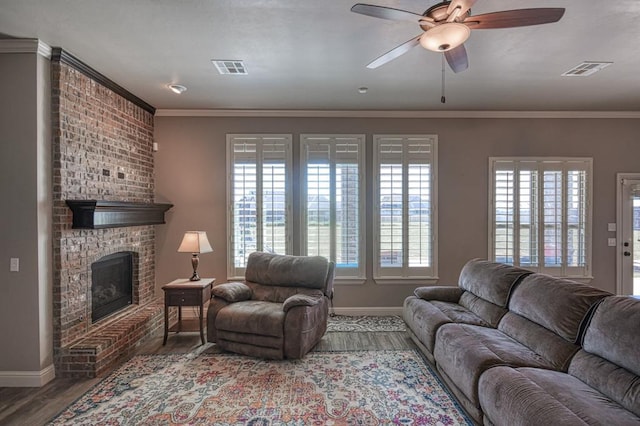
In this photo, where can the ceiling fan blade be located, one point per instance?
(386, 12)
(457, 58)
(464, 5)
(514, 18)
(395, 52)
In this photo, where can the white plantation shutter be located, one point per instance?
(404, 177)
(527, 217)
(540, 214)
(503, 218)
(578, 226)
(332, 199)
(259, 180)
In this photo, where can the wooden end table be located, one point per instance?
(183, 292)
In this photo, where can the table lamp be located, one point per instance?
(195, 242)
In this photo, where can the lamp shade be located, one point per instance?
(195, 242)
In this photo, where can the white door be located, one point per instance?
(628, 235)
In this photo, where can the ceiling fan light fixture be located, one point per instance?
(445, 37)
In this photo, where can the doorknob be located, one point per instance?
(626, 253)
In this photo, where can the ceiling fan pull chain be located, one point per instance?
(442, 98)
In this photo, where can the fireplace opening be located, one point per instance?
(111, 284)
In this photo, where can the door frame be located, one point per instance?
(619, 230)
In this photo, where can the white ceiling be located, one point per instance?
(311, 54)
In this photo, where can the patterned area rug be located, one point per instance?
(365, 323)
(347, 388)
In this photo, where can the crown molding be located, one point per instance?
(64, 57)
(392, 114)
(20, 45)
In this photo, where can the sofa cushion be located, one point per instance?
(252, 345)
(610, 359)
(423, 319)
(490, 281)
(531, 396)
(287, 271)
(465, 351)
(487, 311)
(278, 294)
(458, 313)
(557, 304)
(232, 292)
(613, 381)
(442, 293)
(550, 346)
(251, 317)
(226, 338)
(300, 300)
(614, 332)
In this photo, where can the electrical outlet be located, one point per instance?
(14, 265)
(611, 242)
(611, 227)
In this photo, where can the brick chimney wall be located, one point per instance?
(102, 149)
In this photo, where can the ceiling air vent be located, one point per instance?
(586, 68)
(231, 67)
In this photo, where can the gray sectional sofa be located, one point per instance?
(518, 348)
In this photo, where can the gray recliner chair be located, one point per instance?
(279, 311)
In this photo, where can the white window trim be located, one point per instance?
(379, 276)
(234, 273)
(543, 163)
(360, 277)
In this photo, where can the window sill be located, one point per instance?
(406, 281)
(581, 279)
(349, 281)
(584, 279)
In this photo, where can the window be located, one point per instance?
(405, 168)
(332, 220)
(259, 197)
(540, 214)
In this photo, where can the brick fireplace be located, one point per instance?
(102, 149)
(111, 284)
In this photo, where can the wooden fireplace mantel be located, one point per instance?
(97, 214)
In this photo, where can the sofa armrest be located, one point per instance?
(232, 292)
(300, 300)
(441, 293)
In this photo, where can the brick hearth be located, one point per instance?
(108, 345)
(102, 150)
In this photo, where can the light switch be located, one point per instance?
(611, 242)
(14, 266)
(611, 227)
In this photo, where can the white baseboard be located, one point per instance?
(188, 313)
(27, 379)
(359, 311)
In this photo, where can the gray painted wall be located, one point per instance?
(25, 188)
(190, 172)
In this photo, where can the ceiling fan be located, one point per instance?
(447, 25)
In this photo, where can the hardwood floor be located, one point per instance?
(36, 406)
